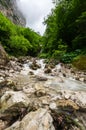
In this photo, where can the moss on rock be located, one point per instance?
(80, 62)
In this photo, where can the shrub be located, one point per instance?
(19, 45)
(57, 55)
(6, 28)
(43, 55)
(68, 57)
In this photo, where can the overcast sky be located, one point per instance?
(35, 11)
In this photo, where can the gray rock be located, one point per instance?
(41, 78)
(37, 120)
(48, 70)
(10, 9)
(12, 104)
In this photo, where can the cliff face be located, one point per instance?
(9, 9)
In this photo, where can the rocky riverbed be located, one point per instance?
(36, 95)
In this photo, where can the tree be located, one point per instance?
(66, 24)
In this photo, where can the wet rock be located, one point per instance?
(45, 100)
(80, 99)
(3, 83)
(29, 91)
(53, 106)
(22, 60)
(39, 86)
(21, 81)
(15, 126)
(41, 78)
(35, 65)
(12, 104)
(81, 79)
(15, 66)
(48, 70)
(31, 73)
(1, 79)
(7, 83)
(11, 98)
(40, 93)
(40, 90)
(76, 78)
(64, 74)
(37, 120)
(72, 71)
(50, 66)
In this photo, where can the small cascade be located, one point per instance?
(56, 78)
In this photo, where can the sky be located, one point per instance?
(34, 12)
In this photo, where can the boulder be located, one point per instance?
(48, 70)
(3, 56)
(37, 120)
(35, 65)
(12, 104)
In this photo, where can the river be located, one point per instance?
(55, 80)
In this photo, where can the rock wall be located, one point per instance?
(9, 8)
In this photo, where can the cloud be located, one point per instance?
(35, 11)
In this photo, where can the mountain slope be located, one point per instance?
(9, 9)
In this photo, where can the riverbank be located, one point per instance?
(35, 95)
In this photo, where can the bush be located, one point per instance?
(68, 57)
(6, 29)
(43, 55)
(80, 62)
(19, 45)
(57, 55)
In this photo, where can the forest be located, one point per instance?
(65, 35)
(64, 38)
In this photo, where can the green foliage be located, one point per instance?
(33, 38)
(80, 62)
(66, 29)
(57, 54)
(68, 57)
(80, 40)
(18, 40)
(19, 45)
(6, 28)
(43, 55)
